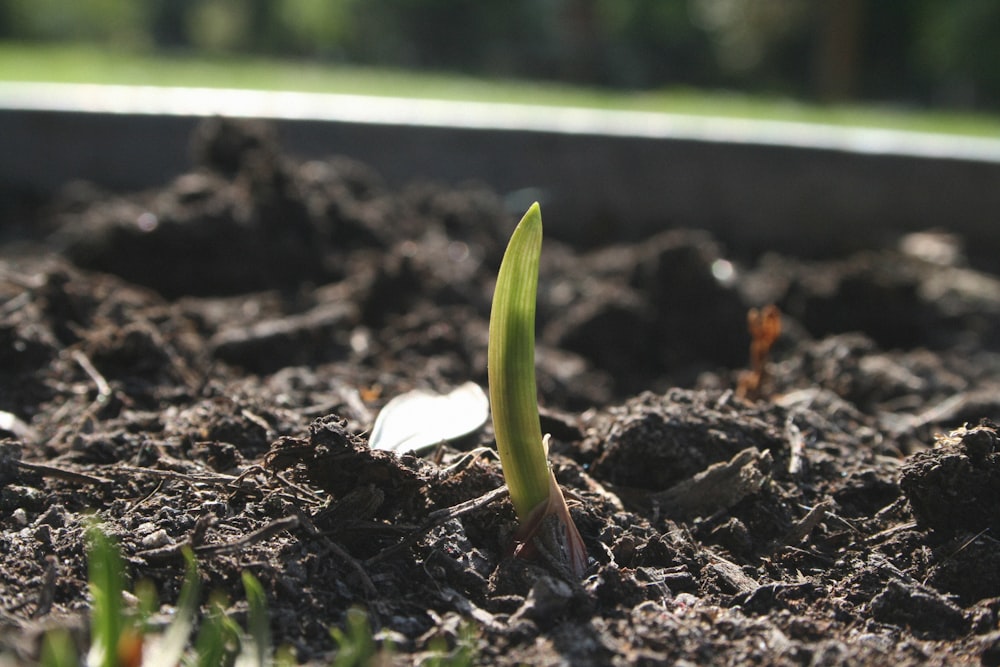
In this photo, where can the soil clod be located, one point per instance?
(200, 364)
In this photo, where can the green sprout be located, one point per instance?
(356, 646)
(537, 498)
(119, 637)
(113, 633)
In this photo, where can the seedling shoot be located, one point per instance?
(537, 499)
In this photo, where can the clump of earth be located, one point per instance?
(201, 364)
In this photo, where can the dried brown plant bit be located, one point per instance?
(764, 326)
(371, 394)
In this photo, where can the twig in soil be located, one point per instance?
(192, 478)
(717, 487)
(766, 594)
(15, 304)
(340, 553)
(883, 564)
(732, 574)
(260, 535)
(890, 531)
(187, 375)
(937, 413)
(796, 445)
(62, 473)
(319, 409)
(897, 507)
(237, 484)
(466, 460)
(844, 522)
(135, 506)
(103, 388)
(174, 550)
(468, 608)
(960, 549)
(259, 421)
(14, 424)
(804, 525)
(7, 614)
(354, 401)
(942, 411)
(48, 593)
(812, 553)
(300, 489)
(438, 517)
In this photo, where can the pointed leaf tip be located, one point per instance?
(511, 367)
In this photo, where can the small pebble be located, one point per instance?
(218, 508)
(144, 529)
(55, 516)
(548, 598)
(156, 539)
(43, 533)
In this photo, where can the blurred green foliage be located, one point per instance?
(918, 52)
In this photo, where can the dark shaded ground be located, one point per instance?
(199, 364)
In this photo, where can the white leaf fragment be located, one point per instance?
(421, 419)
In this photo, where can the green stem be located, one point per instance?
(511, 365)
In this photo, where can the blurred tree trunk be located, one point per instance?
(169, 22)
(583, 33)
(262, 26)
(838, 49)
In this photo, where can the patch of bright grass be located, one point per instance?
(119, 636)
(91, 64)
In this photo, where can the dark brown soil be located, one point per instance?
(200, 365)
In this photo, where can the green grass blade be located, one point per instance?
(58, 649)
(217, 637)
(170, 648)
(107, 582)
(355, 644)
(256, 651)
(511, 366)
